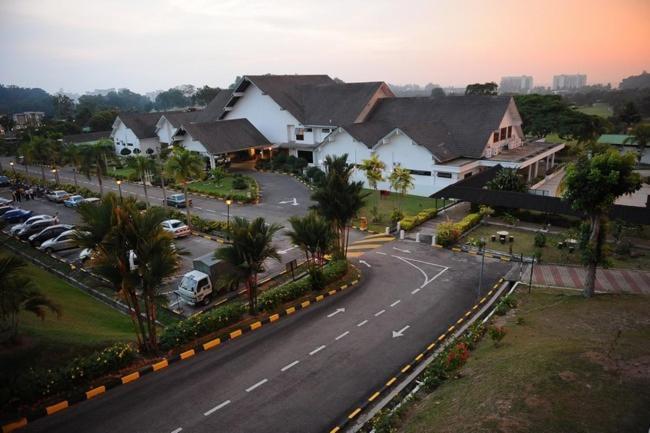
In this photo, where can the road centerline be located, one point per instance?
(360, 324)
(257, 385)
(379, 313)
(342, 335)
(288, 366)
(316, 350)
(217, 407)
(395, 303)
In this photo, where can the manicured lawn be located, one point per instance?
(122, 173)
(410, 204)
(524, 243)
(222, 189)
(572, 365)
(597, 109)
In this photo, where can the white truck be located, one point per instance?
(197, 286)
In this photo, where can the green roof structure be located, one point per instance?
(617, 139)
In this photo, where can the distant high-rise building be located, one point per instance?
(569, 82)
(520, 84)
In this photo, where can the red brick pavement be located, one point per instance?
(607, 280)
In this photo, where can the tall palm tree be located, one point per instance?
(40, 151)
(374, 168)
(401, 180)
(72, 155)
(252, 244)
(25, 150)
(17, 293)
(313, 235)
(94, 158)
(185, 166)
(338, 199)
(142, 166)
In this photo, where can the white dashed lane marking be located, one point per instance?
(316, 350)
(288, 366)
(379, 313)
(258, 384)
(362, 323)
(342, 335)
(396, 302)
(216, 408)
(178, 430)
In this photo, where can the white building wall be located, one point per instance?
(123, 137)
(192, 145)
(265, 114)
(513, 119)
(166, 131)
(149, 143)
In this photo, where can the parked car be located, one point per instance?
(48, 233)
(5, 201)
(16, 216)
(58, 196)
(5, 209)
(176, 228)
(5, 181)
(34, 228)
(88, 253)
(178, 200)
(73, 201)
(91, 200)
(64, 241)
(29, 221)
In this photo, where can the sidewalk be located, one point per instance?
(607, 280)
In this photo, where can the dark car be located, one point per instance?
(34, 228)
(5, 209)
(4, 181)
(49, 233)
(16, 216)
(178, 200)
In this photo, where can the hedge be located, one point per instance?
(185, 331)
(448, 233)
(410, 222)
(272, 298)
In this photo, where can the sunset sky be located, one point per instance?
(146, 45)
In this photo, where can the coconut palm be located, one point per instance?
(39, 151)
(185, 166)
(338, 200)
(374, 168)
(94, 158)
(18, 293)
(401, 180)
(142, 166)
(71, 155)
(252, 244)
(313, 235)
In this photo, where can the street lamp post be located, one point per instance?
(55, 172)
(228, 203)
(119, 187)
(13, 167)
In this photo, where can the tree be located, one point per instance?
(204, 95)
(641, 136)
(592, 186)
(234, 83)
(63, 106)
(507, 179)
(338, 199)
(313, 235)
(184, 166)
(485, 89)
(39, 151)
(251, 246)
(401, 180)
(142, 165)
(94, 157)
(172, 98)
(629, 114)
(437, 92)
(17, 293)
(102, 120)
(373, 168)
(72, 155)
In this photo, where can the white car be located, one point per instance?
(91, 200)
(64, 241)
(58, 196)
(176, 228)
(31, 220)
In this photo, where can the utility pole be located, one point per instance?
(530, 281)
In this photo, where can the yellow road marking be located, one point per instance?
(305, 304)
(56, 407)
(335, 430)
(274, 317)
(344, 286)
(8, 428)
(95, 392)
(451, 328)
(354, 254)
(212, 343)
(130, 377)
(331, 292)
(431, 346)
(235, 334)
(442, 337)
(419, 357)
(189, 353)
(375, 239)
(390, 382)
(160, 365)
(355, 413)
(459, 321)
(406, 368)
(363, 247)
(291, 310)
(256, 325)
(319, 298)
(374, 396)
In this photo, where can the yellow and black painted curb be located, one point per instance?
(165, 362)
(402, 373)
(210, 237)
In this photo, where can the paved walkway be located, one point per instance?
(454, 214)
(552, 182)
(607, 280)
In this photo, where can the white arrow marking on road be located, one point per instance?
(401, 250)
(287, 250)
(293, 202)
(365, 263)
(400, 333)
(216, 408)
(340, 310)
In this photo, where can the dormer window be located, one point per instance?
(503, 133)
(495, 137)
(509, 131)
(300, 134)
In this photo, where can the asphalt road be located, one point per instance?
(307, 370)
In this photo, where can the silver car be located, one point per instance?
(64, 241)
(29, 221)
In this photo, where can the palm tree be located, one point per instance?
(17, 293)
(25, 150)
(72, 155)
(94, 157)
(313, 234)
(185, 166)
(142, 166)
(251, 246)
(40, 152)
(374, 170)
(401, 180)
(338, 200)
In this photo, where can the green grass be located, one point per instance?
(597, 109)
(410, 204)
(573, 365)
(223, 188)
(122, 173)
(524, 243)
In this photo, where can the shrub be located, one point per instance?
(496, 334)
(447, 234)
(396, 215)
(239, 182)
(315, 175)
(509, 219)
(457, 356)
(468, 222)
(410, 222)
(263, 164)
(279, 161)
(540, 240)
(184, 331)
(486, 211)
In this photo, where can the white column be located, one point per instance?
(536, 167)
(552, 160)
(530, 172)
(213, 164)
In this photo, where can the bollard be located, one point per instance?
(387, 231)
(401, 234)
(417, 237)
(433, 240)
(399, 226)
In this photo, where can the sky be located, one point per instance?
(144, 45)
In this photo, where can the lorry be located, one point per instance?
(205, 279)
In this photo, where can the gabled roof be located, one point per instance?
(143, 125)
(450, 127)
(225, 136)
(215, 108)
(179, 117)
(86, 137)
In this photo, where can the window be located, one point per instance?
(509, 131)
(503, 133)
(300, 134)
(308, 130)
(444, 174)
(130, 144)
(307, 155)
(468, 175)
(495, 137)
(326, 130)
(420, 172)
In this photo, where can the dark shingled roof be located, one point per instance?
(86, 137)
(225, 136)
(215, 108)
(337, 103)
(450, 127)
(181, 117)
(143, 125)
